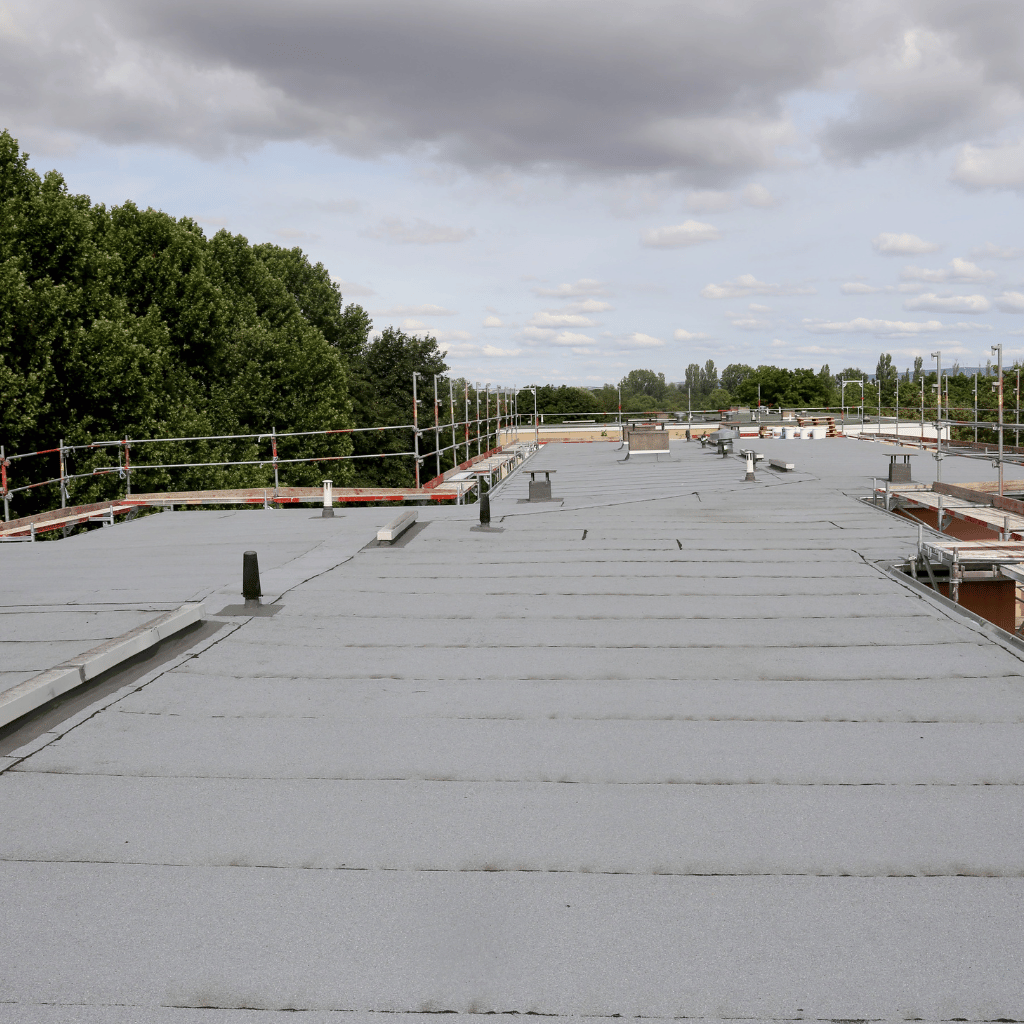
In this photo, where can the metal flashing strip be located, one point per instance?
(1009, 641)
(46, 686)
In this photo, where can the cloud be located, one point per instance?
(990, 251)
(588, 306)
(492, 321)
(638, 340)
(751, 324)
(747, 284)
(757, 307)
(1010, 302)
(859, 288)
(418, 232)
(690, 232)
(682, 335)
(425, 310)
(556, 319)
(958, 270)
(1001, 166)
(349, 288)
(700, 95)
(886, 328)
(949, 304)
(584, 286)
(888, 244)
(492, 352)
(937, 74)
(570, 339)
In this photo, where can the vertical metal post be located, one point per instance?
(487, 416)
(60, 466)
(536, 421)
(3, 485)
(437, 431)
(467, 419)
(999, 348)
(273, 445)
(478, 418)
(416, 429)
(938, 518)
(922, 407)
(451, 405)
(862, 403)
(127, 467)
(975, 406)
(937, 356)
(1016, 431)
(897, 406)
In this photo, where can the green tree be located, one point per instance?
(886, 378)
(382, 372)
(734, 375)
(645, 383)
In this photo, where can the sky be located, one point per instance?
(563, 191)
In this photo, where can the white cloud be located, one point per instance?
(413, 325)
(426, 310)
(757, 307)
(587, 306)
(418, 232)
(859, 288)
(584, 286)
(569, 339)
(549, 319)
(747, 284)
(682, 335)
(1011, 302)
(1000, 166)
(990, 251)
(638, 340)
(690, 232)
(888, 244)
(887, 328)
(949, 304)
(492, 321)
(958, 270)
(750, 324)
(492, 352)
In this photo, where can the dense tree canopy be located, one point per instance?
(129, 322)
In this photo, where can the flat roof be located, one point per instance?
(675, 747)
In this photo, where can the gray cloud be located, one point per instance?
(697, 91)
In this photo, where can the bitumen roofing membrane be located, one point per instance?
(678, 746)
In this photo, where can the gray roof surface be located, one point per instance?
(707, 760)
